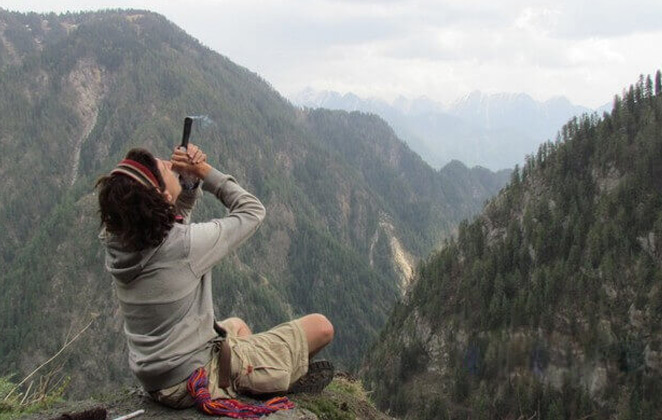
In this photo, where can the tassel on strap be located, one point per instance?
(197, 387)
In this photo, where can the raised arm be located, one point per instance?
(213, 240)
(185, 161)
(186, 202)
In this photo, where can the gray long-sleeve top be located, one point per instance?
(165, 292)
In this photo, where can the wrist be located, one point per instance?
(189, 182)
(202, 169)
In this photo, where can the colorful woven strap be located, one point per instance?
(197, 387)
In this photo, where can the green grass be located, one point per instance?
(343, 399)
(14, 402)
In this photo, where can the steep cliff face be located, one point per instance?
(548, 303)
(79, 90)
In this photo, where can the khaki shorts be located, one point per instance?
(268, 362)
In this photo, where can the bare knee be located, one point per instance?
(319, 331)
(325, 327)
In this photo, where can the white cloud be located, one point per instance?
(583, 49)
(541, 21)
(608, 18)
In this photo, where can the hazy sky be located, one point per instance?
(585, 50)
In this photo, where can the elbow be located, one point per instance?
(260, 213)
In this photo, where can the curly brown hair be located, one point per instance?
(138, 216)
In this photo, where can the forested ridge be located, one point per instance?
(79, 90)
(549, 304)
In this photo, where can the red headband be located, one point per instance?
(136, 171)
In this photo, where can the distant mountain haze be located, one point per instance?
(350, 208)
(495, 131)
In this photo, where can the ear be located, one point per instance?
(167, 196)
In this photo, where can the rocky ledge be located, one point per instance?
(343, 399)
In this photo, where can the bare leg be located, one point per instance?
(236, 326)
(319, 332)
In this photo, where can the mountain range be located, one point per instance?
(495, 131)
(548, 305)
(350, 208)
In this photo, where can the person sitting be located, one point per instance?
(162, 270)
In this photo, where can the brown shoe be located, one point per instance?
(320, 374)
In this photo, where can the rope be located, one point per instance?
(197, 387)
